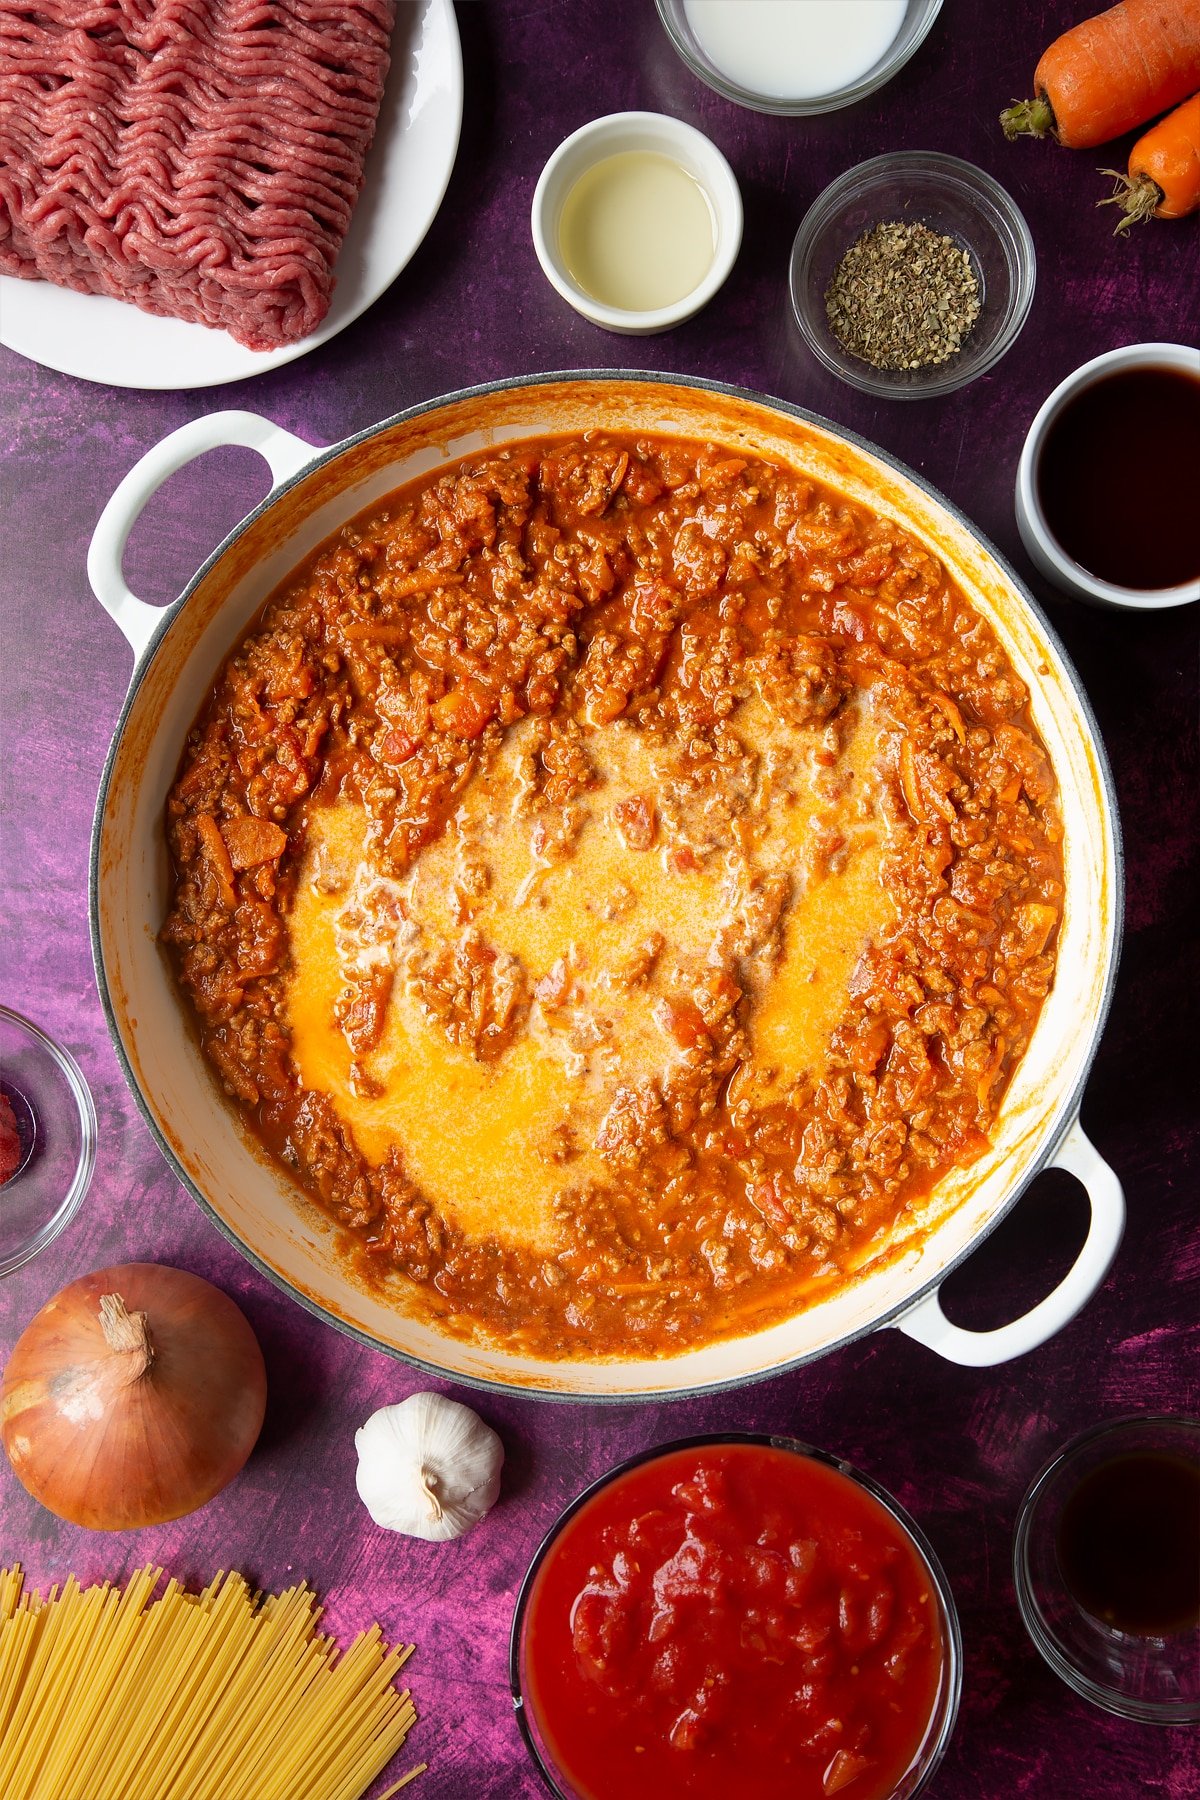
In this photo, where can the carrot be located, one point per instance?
(1111, 73)
(1164, 170)
(213, 846)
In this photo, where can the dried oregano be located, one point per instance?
(902, 297)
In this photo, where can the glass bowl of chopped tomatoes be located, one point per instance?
(735, 1614)
(912, 274)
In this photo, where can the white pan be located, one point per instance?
(178, 651)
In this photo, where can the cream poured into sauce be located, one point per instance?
(605, 932)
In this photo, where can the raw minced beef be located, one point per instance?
(198, 158)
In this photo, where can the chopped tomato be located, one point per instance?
(684, 860)
(685, 1022)
(396, 747)
(465, 710)
(636, 820)
(732, 1619)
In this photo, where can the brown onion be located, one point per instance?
(133, 1397)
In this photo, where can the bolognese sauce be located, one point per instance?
(618, 877)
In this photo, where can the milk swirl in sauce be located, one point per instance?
(795, 49)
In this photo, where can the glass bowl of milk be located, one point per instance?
(796, 56)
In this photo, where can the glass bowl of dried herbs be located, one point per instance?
(912, 274)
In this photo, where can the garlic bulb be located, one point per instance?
(428, 1467)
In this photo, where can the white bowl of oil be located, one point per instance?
(637, 220)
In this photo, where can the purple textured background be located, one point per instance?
(958, 1447)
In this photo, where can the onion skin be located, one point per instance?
(113, 1438)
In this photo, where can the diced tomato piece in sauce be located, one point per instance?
(465, 710)
(636, 821)
(732, 1619)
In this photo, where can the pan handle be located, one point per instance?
(284, 453)
(928, 1324)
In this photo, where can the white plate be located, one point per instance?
(406, 175)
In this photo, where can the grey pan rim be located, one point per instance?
(1067, 1111)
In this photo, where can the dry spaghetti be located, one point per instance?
(113, 1694)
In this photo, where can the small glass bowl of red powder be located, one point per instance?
(47, 1139)
(736, 1614)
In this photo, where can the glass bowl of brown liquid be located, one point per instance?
(1106, 1562)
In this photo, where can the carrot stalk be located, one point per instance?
(1112, 72)
(1163, 181)
(1029, 118)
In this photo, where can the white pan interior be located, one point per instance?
(253, 1200)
